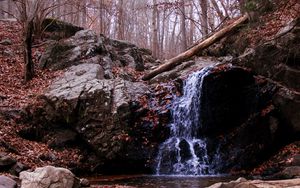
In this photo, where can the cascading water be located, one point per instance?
(183, 153)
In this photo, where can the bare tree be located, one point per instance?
(183, 26)
(155, 44)
(121, 26)
(204, 17)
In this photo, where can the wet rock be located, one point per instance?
(185, 151)
(239, 119)
(6, 182)
(289, 172)
(228, 99)
(49, 176)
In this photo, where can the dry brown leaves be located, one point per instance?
(274, 21)
(14, 94)
(13, 91)
(282, 158)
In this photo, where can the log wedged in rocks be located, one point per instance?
(169, 64)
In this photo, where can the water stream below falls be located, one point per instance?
(184, 153)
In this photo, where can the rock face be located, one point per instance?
(279, 58)
(58, 29)
(6, 182)
(238, 119)
(228, 98)
(49, 177)
(262, 114)
(243, 183)
(87, 47)
(100, 112)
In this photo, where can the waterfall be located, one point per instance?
(183, 153)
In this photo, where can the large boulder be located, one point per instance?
(71, 51)
(88, 47)
(49, 177)
(102, 112)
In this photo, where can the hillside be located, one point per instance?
(19, 139)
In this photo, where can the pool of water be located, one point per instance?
(146, 181)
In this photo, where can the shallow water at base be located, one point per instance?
(146, 181)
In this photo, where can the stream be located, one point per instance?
(148, 181)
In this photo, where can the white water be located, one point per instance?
(183, 153)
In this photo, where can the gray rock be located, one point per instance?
(6, 42)
(6, 182)
(243, 183)
(49, 177)
(6, 161)
(83, 45)
(8, 53)
(88, 47)
(99, 110)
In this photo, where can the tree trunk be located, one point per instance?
(183, 27)
(2, 9)
(155, 44)
(194, 50)
(121, 26)
(204, 18)
(28, 68)
(219, 12)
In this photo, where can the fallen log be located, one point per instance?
(171, 63)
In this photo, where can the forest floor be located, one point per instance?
(15, 94)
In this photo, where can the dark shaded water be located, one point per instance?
(146, 181)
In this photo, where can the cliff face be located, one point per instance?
(269, 47)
